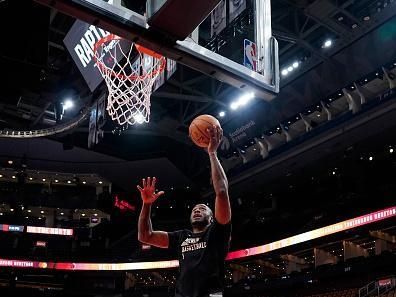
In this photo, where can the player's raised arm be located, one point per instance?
(219, 178)
(145, 230)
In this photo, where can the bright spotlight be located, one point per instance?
(139, 118)
(67, 104)
(285, 72)
(391, 150)
(327, 43)
(246, 98)
(234, 105)
(290, 68)
(222, 114)
(296, 64)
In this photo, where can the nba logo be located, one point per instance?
(250, 55)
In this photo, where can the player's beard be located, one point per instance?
(201, 223)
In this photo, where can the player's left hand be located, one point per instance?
(216, 135)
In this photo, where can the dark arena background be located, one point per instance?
(309, 145)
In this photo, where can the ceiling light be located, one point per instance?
(84, 182)
(290, 68)
(42, 211)
(366, 18)
(370, 158)
(285, 72)
(40, 218)
(62, 213)
(67, 104)
(328, 43)
(95, 214)
(83, 214)
(69, 182)
(1, 175)
(100, 182)
(11, 209)
(29, 210)
(56, 180)
(1, 213)
(10, 162)
(234, 105)
(391, 150)
(13, 176)
(43, 179)
(139, 118)
(221, 114)
(296, 64)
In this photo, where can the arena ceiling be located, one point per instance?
(38, 72)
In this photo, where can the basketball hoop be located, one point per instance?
(129, 78)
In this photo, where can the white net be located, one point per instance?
(129, 75)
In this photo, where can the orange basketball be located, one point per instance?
(198, 129)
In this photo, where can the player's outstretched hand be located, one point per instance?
(147, 191)
(216, 135)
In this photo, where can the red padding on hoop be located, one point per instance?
(179, 18)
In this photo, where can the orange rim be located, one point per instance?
(140, 48)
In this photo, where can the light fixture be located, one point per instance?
(13, 176)
(290, 68)
(84, 182)
(42, 211)
(43, 179)
(221, 114)
(62, 213)
(67, 104)
(69, 182)
(40, 218)
(29, 210)
(83, 214)
(285, 72)
(95, 214)
(391, 150)
(26, 217)
(366, 18)
(1, 213)
(370, 158)
(56, 180)
(10, 162)
(1, 175)
(296, 64)
(11, 209)
(138, 117)
(100, 182)
(243, 100)
(334, 172)
(328, 43)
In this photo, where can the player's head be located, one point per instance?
(201, 215)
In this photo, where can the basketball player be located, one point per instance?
(202, 251)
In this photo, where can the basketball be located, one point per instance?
(198, 129)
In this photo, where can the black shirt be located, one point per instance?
(201, 259)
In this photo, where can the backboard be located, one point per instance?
(165, 25)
